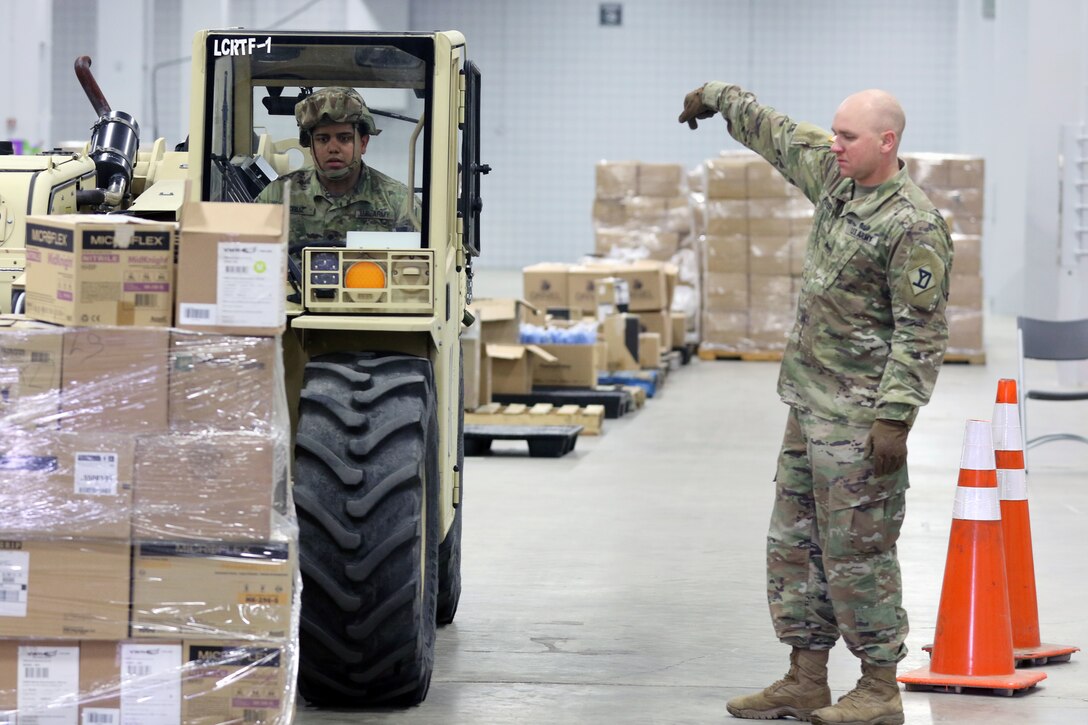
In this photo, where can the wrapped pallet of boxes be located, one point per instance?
(756, 230)
(955, 185)
(640, 210)
(153, 546)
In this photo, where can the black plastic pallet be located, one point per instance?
(616, 401)
(545, 441)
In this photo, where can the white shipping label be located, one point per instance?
(96, 473)
(193, 313)
(150, 684)
(101, 716)
(249, 285)
(14, 582)
(48, 685)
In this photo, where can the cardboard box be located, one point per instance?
(573, 366)
(725, 292)
(582, 286)
(928, 170)
(223, 382)
(616, 179)
(30, 377)
(500, 319)
(620, 333)
(679, 323)
(769, 329)
(232, 265)
(965, 291)
(725, 217)
(67, 589)
(765, 181)
(235, 682)
(39, 674)
(726, 177)
(139, 678)
(67, 485)
(213, 589)
(659, 322)
(965, 333)
(727, 254)
(545, 285)
(967, 255)
(641, 211)
(769, 255)
(660, 179)
(770, 293)
(194, 486)
(647, 285)
(609, 213)
(726, 330)
(649, 350)
(98, 269)
(966, 172)
(114, 380)
(512, 367)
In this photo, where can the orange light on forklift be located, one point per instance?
(364, 275)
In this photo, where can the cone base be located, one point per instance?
(1034, 656)
(1044, 653)
(925, 679)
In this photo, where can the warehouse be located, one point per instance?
(269, 484)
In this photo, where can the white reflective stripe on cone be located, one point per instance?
(978, 447)
(977, 504)
(1006, 428)
(1013, 483)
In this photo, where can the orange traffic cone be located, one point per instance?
(1016, 530)
(973, 643)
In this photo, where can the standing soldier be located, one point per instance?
(862, 357)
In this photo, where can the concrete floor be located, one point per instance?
(624, 583)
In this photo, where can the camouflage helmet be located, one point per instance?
(335, 104)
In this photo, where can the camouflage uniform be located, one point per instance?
(868, 342)
(377, 203)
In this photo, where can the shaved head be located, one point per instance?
(878, 110)
(867, 129)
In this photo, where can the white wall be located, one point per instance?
(561, 93)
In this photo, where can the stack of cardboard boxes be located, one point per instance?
(642, 211)
(148, 565)
(955, 185)
(755, 227)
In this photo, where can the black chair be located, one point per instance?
(1053, 340)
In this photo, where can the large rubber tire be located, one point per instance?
(366, 495)
(449, 551)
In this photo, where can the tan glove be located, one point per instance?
(694, 108)
(887, 445)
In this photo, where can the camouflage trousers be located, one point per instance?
(832, 566)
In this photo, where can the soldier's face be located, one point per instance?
(335, 145)
(857, 145)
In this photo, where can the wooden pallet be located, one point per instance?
(706, 353)
(615, 399)
(590, 417)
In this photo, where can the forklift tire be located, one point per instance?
(366, 495)
(449, 551)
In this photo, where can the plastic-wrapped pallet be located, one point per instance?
(756, 226)
(148, 543)
(956, 185)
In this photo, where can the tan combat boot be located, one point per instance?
(875, 701)
(802, 690)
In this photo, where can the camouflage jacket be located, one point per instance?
(379, 203)
(871, 332)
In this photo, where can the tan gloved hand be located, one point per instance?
(694, 108)
(887, 445)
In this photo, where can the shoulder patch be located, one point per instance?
(923, 284)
